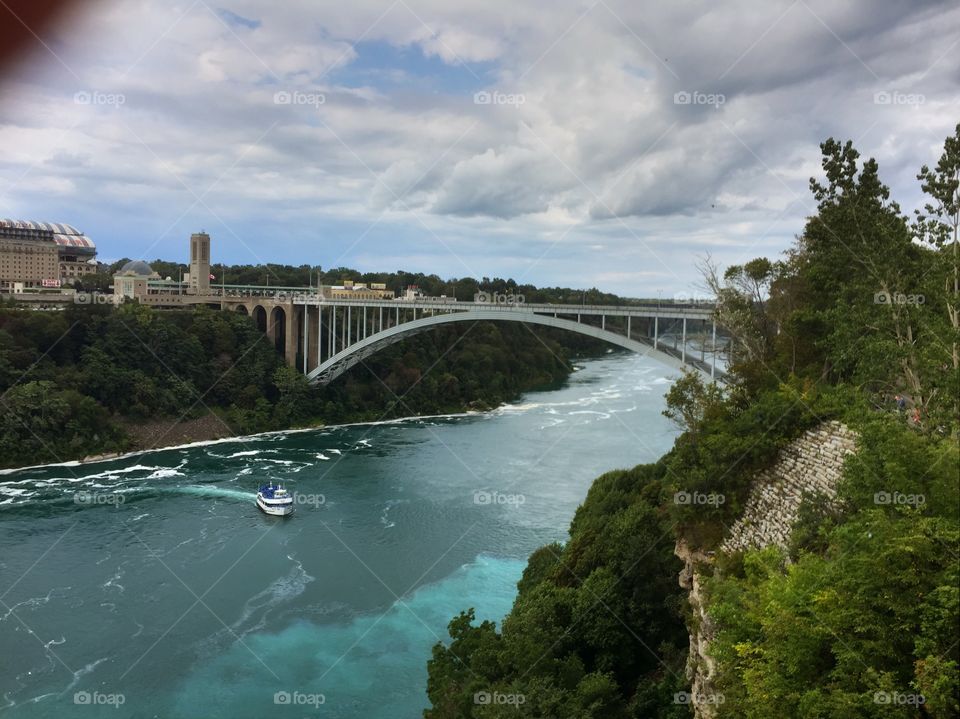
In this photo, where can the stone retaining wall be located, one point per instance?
(811, 464)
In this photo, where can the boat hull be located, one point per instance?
(275, 509)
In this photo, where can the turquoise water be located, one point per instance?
(151, 586)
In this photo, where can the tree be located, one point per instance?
(296, 396)
(742, 295)
(690, 402)
(865, 273)
(938, 225)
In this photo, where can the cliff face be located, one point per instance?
(810, 465)
(701, 667)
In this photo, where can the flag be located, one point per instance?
(212, 277)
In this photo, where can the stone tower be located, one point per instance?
(199, 263)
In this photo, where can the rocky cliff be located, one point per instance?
(810, 465)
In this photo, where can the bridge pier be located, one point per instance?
(311, 359)
(290, 335)
(683, 342)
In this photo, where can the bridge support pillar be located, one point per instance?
(305, 351)
(656, 330)
(290, 335)
(683, 342)
(314, 343)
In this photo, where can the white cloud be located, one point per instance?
(598, 153)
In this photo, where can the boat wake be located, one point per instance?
(205, 491)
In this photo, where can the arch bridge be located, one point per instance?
(324, 336)
(332, 335)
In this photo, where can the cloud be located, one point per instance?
(654, 132)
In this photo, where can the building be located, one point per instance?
(131, 279)
(198, 280)
(351, 290)
(43, 254)
(137, 280)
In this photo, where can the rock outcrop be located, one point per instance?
(811, 464)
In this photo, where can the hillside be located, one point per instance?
(813, 504)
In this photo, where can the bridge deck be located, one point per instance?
(697, 312)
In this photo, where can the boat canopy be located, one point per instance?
(269, 490)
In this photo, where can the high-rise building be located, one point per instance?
(199, 263)
(43, 254)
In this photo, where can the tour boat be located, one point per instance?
(274, 499)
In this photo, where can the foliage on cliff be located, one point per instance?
(862, 620)
(860, 617)
(596, 630)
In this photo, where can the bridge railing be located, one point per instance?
(697, 310)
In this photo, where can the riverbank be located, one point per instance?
(203, 442)
(153, 434)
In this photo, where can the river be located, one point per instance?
(151, 586)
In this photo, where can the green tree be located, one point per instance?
(938, 224)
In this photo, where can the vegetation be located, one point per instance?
(73, 381)
(859, 616)
(573, 645)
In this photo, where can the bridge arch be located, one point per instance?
(242, 309)
(260, 317)
(278, 327)
(346, 358)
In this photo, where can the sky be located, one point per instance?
(607, 143)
